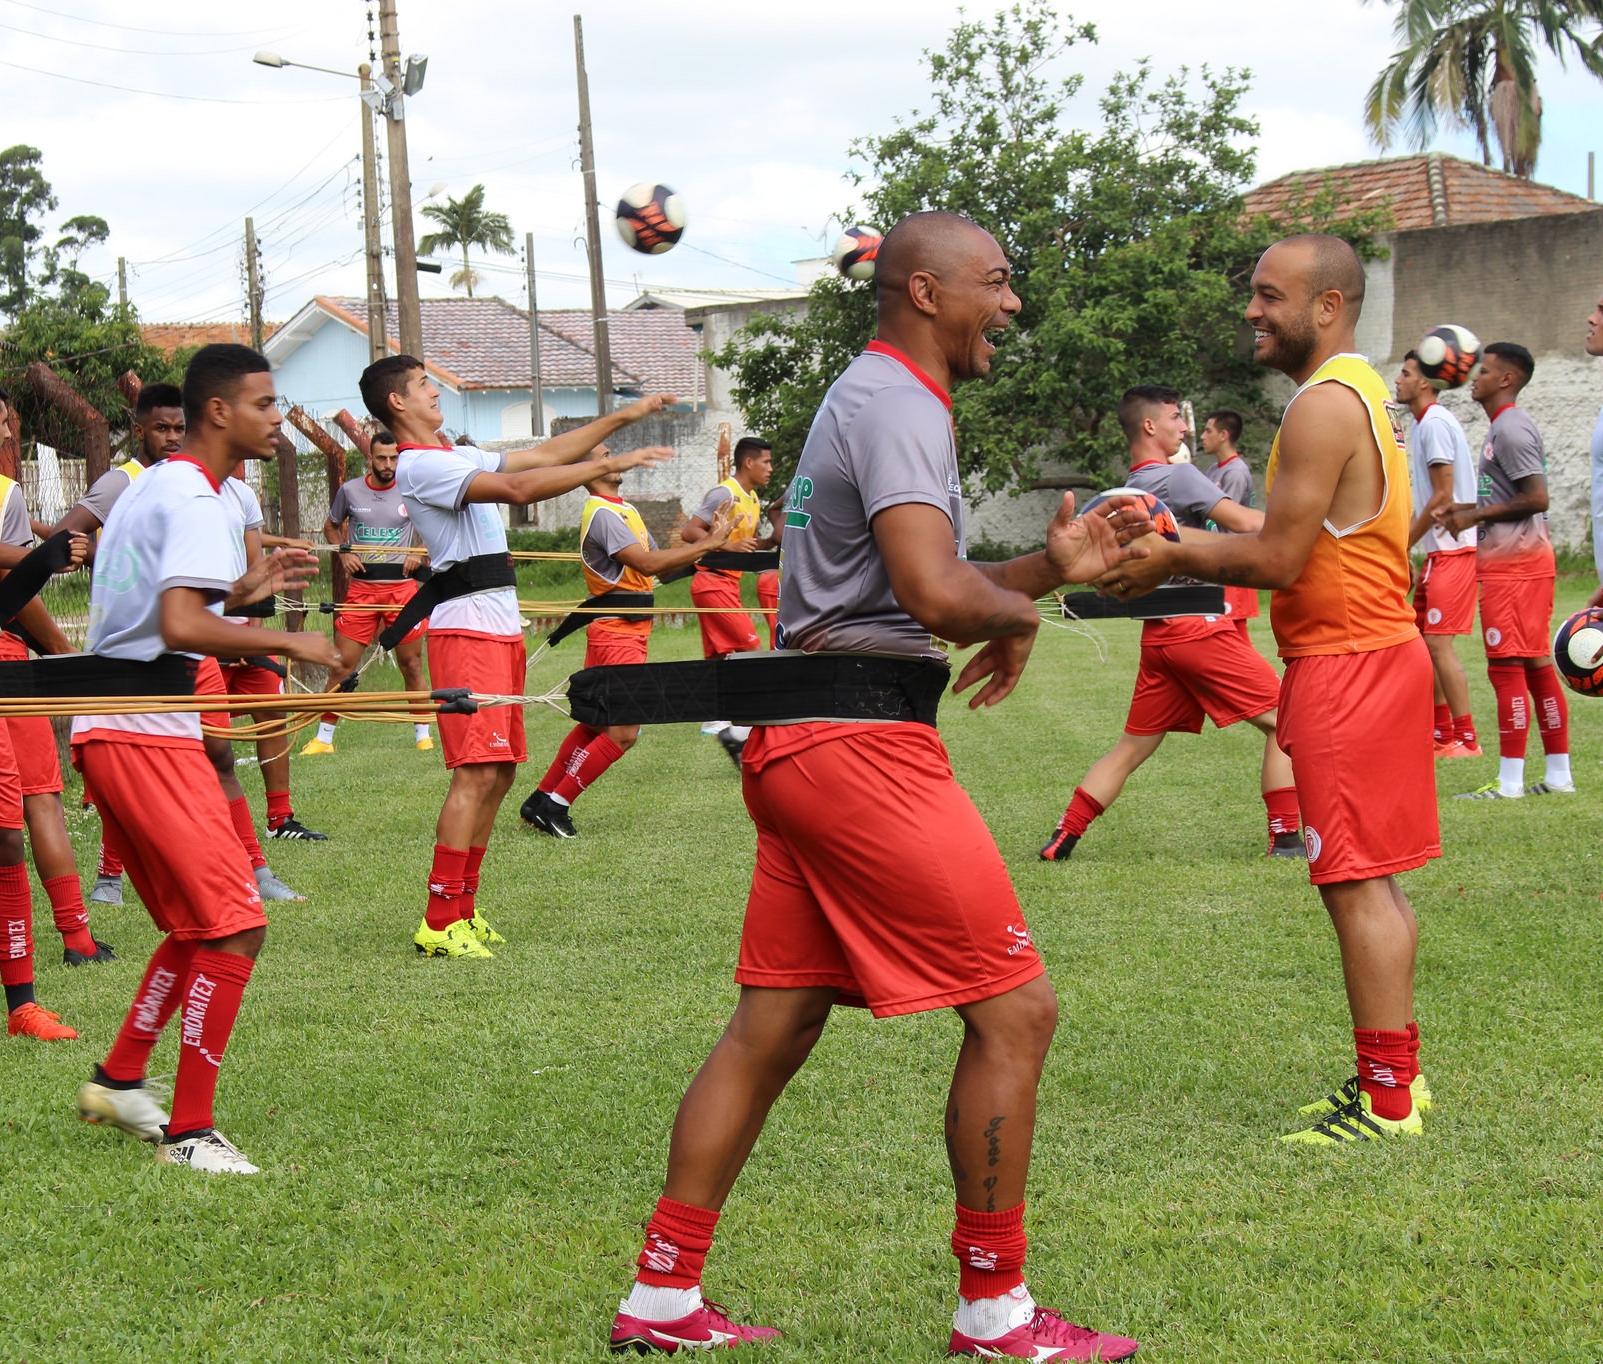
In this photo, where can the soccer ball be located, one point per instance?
(854, 253)
(1578, 651)
(1156, 508)
(651, 218)
(1448, 355)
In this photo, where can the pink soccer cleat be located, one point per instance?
(707, 1328)
(1046, 1336)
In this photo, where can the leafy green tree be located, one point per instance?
(25, 197)
(1128, 242)
(464, 223)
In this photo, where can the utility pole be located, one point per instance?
(536, 390)
(377, 327)
(592, 222)
(253, 285)
(411, 311)
(122, 282)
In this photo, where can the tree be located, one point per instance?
(464, 223)
(25, 197)
(1472, 64)
(1128, 243)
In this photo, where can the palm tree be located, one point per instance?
(1472, 64)
(463, 222)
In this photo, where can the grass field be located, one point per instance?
(459, 1157)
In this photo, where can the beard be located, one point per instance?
(1290, 346)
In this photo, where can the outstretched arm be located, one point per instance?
(536, 485)
(572, 446)
(655, 561)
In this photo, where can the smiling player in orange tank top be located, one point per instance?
(1355, 704)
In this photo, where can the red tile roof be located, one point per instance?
(168, 337)
(484, 343)
(1471, 193)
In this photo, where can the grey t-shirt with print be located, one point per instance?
(1188, 492)
(377, 516)
(1234, 479)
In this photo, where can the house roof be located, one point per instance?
(1464, 192)
(168, 337)
(684, 299)
(484, 343)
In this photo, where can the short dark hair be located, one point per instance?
(381, 437)
(1516, 355)
(1139, 401)
(749, 447)
(5, 397)
(384, 377)
(215, 372)
(1228, 420)
(152, 396)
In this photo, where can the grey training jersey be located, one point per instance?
(378, 519)
(1234, 479)
(1188, 492)
(104, 492)
(1512, 549)
(882, 438)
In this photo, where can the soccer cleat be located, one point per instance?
(455, 941)
(107, 891)
(102, 953)
(1550, 788)
(481, 930)
(1288, 845)
(707, 1328)
(207, 1150)
(1491, 791)
(314, 747)
(424, 745)
(269, 887)
(548, 816)
(1459, 749)
(1348, 1094)
(1356, 1122)
(293, 828)
(732, 746)
(1045, 1336)
(29, 1020)
(1060, 847)
(134, 1110)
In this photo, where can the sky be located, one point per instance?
(154, 117)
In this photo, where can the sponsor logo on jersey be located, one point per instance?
(796, 518)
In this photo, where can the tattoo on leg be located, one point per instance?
(990, 1193)
(958, 1172)
(994, 1142)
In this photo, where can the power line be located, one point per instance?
(163, 94)
(138, 51)
(55, 12)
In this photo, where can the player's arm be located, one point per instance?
(655, 561)
(697, 528)
(279, 542)
(335, 535)
(1530, 499)
(188, 627)
(12, 555)
(1071, 553)
(1230, 515)
(573, 446)
(1441, 498)
(79, 519)
(776, 522)
(40, 624)
(537, 484)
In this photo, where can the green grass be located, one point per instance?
(459, 1157)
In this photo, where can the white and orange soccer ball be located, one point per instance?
(651, 218)
(1448, 355)
(1578, 652)
(855, 252)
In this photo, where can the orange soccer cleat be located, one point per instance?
(29, 1020)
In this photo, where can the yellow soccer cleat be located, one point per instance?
(1356, 1122)
(481, 930)
(316, 746)
(424, 745)
(456, 941)
(1348, 1094)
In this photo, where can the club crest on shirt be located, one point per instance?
(1394, 414)
(796, 518)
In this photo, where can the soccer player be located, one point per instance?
(887, 891)
(1442, 476)
(619, 555)
(171, 557)
(1515, 564)
(1191, 666)
(368, 514)
(453, 495)
(1355, 701)
(1221, 432)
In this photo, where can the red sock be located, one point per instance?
(1284, 816)
(577, 737)
(1082, 810)
(16, 926)
(1385, 1063)
(990, 1250)
(245, 827)
(470, 881)
(329, 718)
(1513, 717)
(446, 887)
(1552, 712)
(278, 810)
(110, 863)
(70, 913)
(586, 765)
(213, 991)
(1413, 1052)
(156, 1001)
(1444, 722)
(1464, 730)
(678, 1238)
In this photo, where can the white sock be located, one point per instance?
(325, 732)
(988, 1318)
(739, 732)
(564, 804)
(1558, 769)
(1511, 775)
(715, 727)
(419, 732)
(650, 1303)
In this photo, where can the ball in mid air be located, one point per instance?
(1448, 355)
(651, 218)
(1155, 507)
(855, 252)
(1578, 652)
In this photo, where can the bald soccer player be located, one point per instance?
(877, 883)
(1355, 701)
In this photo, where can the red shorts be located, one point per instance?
(726, 632)
(482, 663)
(1516, 616)
(10, 784)
(246, 679)
(1241, 603)
(768, 598)
(890, 889)
(33, 740)
(1221, 676)
(1357, 728)
(364, 626)
(1444, 596)
(164, 814)
(609, 648)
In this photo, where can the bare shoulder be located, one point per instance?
(1328, 409)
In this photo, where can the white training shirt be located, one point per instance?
(170, 529)
(245, 510)
(1439, 439)
(434, 483)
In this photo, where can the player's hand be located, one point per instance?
(717, 536)
(649, 405)
(1137, 577)
(77, 550)
(1455, 520)
(647, 457)
(1081, 549)
(351, 563)
(411, 564)
(281, 571)
(1001, 662)
(312, 646)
